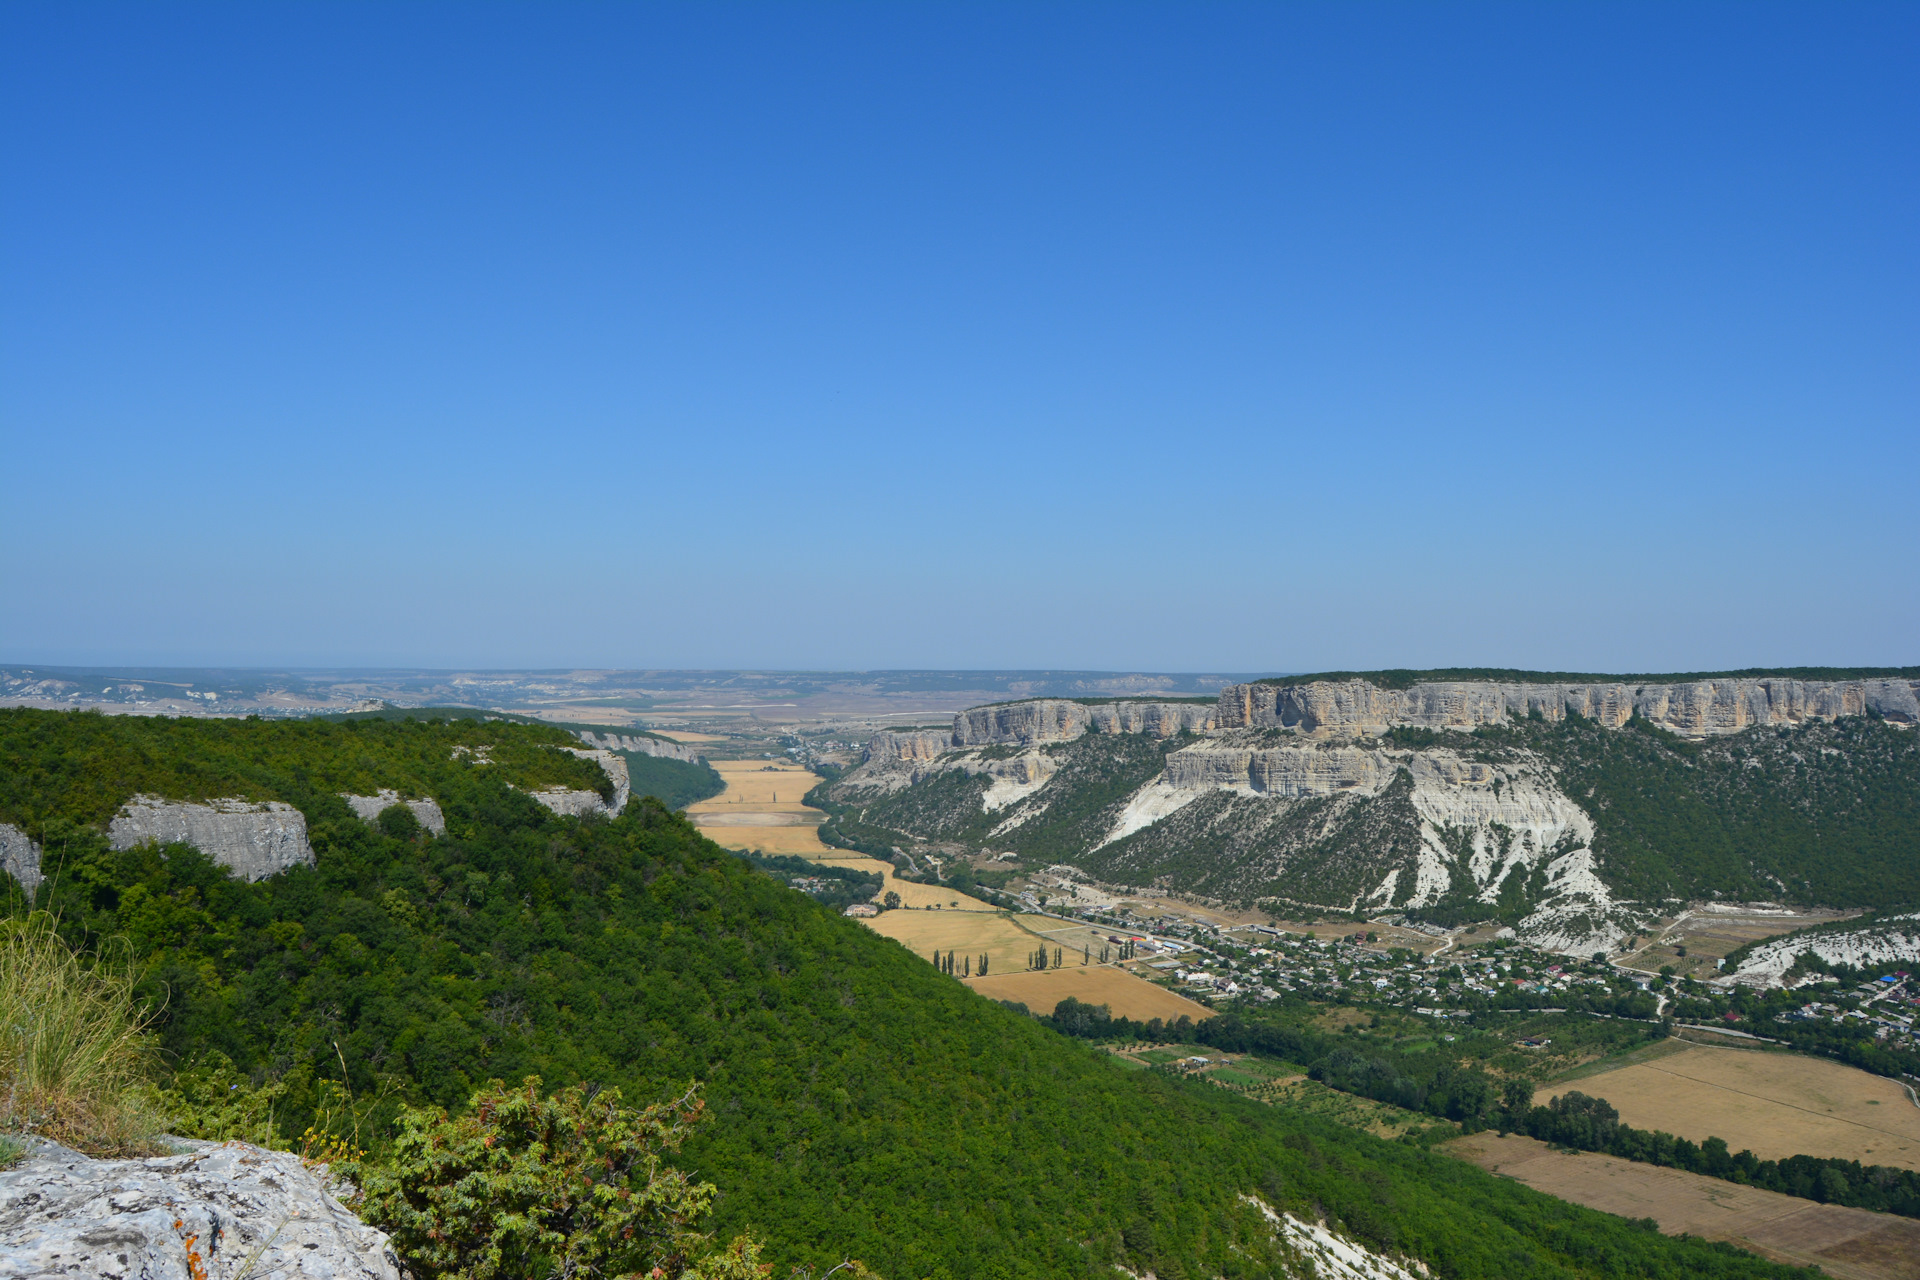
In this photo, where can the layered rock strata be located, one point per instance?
(642, 744)
(367, 808)
(893, 746)
(19, 857)
(1693, 709)
(1056, 720)
(251, 840)
(63, 1214)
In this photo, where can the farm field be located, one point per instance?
(971, 933)
(1774, 1104)
(1849, 1243)
(1126, 995)
(761, 810)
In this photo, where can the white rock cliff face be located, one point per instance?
(642, 745)
(367, 808)
(569, 803)
(893, 746)
(19, 857)
(251, 840)
(63, 1214)
(1697, 709)
(1887, 942)
(1479, 823)
(1056, 720)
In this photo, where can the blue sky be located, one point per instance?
(1175, 337)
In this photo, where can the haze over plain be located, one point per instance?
(1237, 338)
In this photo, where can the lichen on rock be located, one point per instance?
(221, 1204)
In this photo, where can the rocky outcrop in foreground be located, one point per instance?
(367, 808)
(19, 857)
(226, 1205)
(1701, 708)
(251, 840)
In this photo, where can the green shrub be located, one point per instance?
(569, 1184)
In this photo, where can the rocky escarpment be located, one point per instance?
(251, 840)
(229, 1207)
(911, 746)
(1692, 709)
(426, 811)
(569, 803)
(1055, 720)
(19, 857)
(642, 744)
(1472, 828)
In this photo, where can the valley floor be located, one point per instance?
(1773, 1104)
(1849, 1243)
(761, 810)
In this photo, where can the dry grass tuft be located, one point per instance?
(73, 1048)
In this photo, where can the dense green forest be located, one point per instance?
(677, 783)
(80, 766)
(862, 1102)
(1820, 814)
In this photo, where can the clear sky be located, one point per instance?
(1173, 337)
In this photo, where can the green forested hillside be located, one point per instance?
(863, 1103)
(1820, 814)
(81, 766)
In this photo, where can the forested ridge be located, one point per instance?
(863, 1104)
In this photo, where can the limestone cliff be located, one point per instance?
(251, 840)
(641, 744)
(569, 803)
(891, 747)
(19, 857)
(1055, 720)
(427, 811)
(1693, 709)
(246, 1209)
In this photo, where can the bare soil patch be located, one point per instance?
(1774, 1104)
(1850, 1243)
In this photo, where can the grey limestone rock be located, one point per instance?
(890, 746)
(642, 744)
(251, 840)
(367, 808)
(66, 1215)
(19, 857)
(1057, 720)
(1692, 708)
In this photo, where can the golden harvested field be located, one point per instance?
(1126, 995)
(971, 933)
(773, 786)
(761, 810)
(1774, 1104)
(1849, 1243)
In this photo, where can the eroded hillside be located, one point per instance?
(1575, 811)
